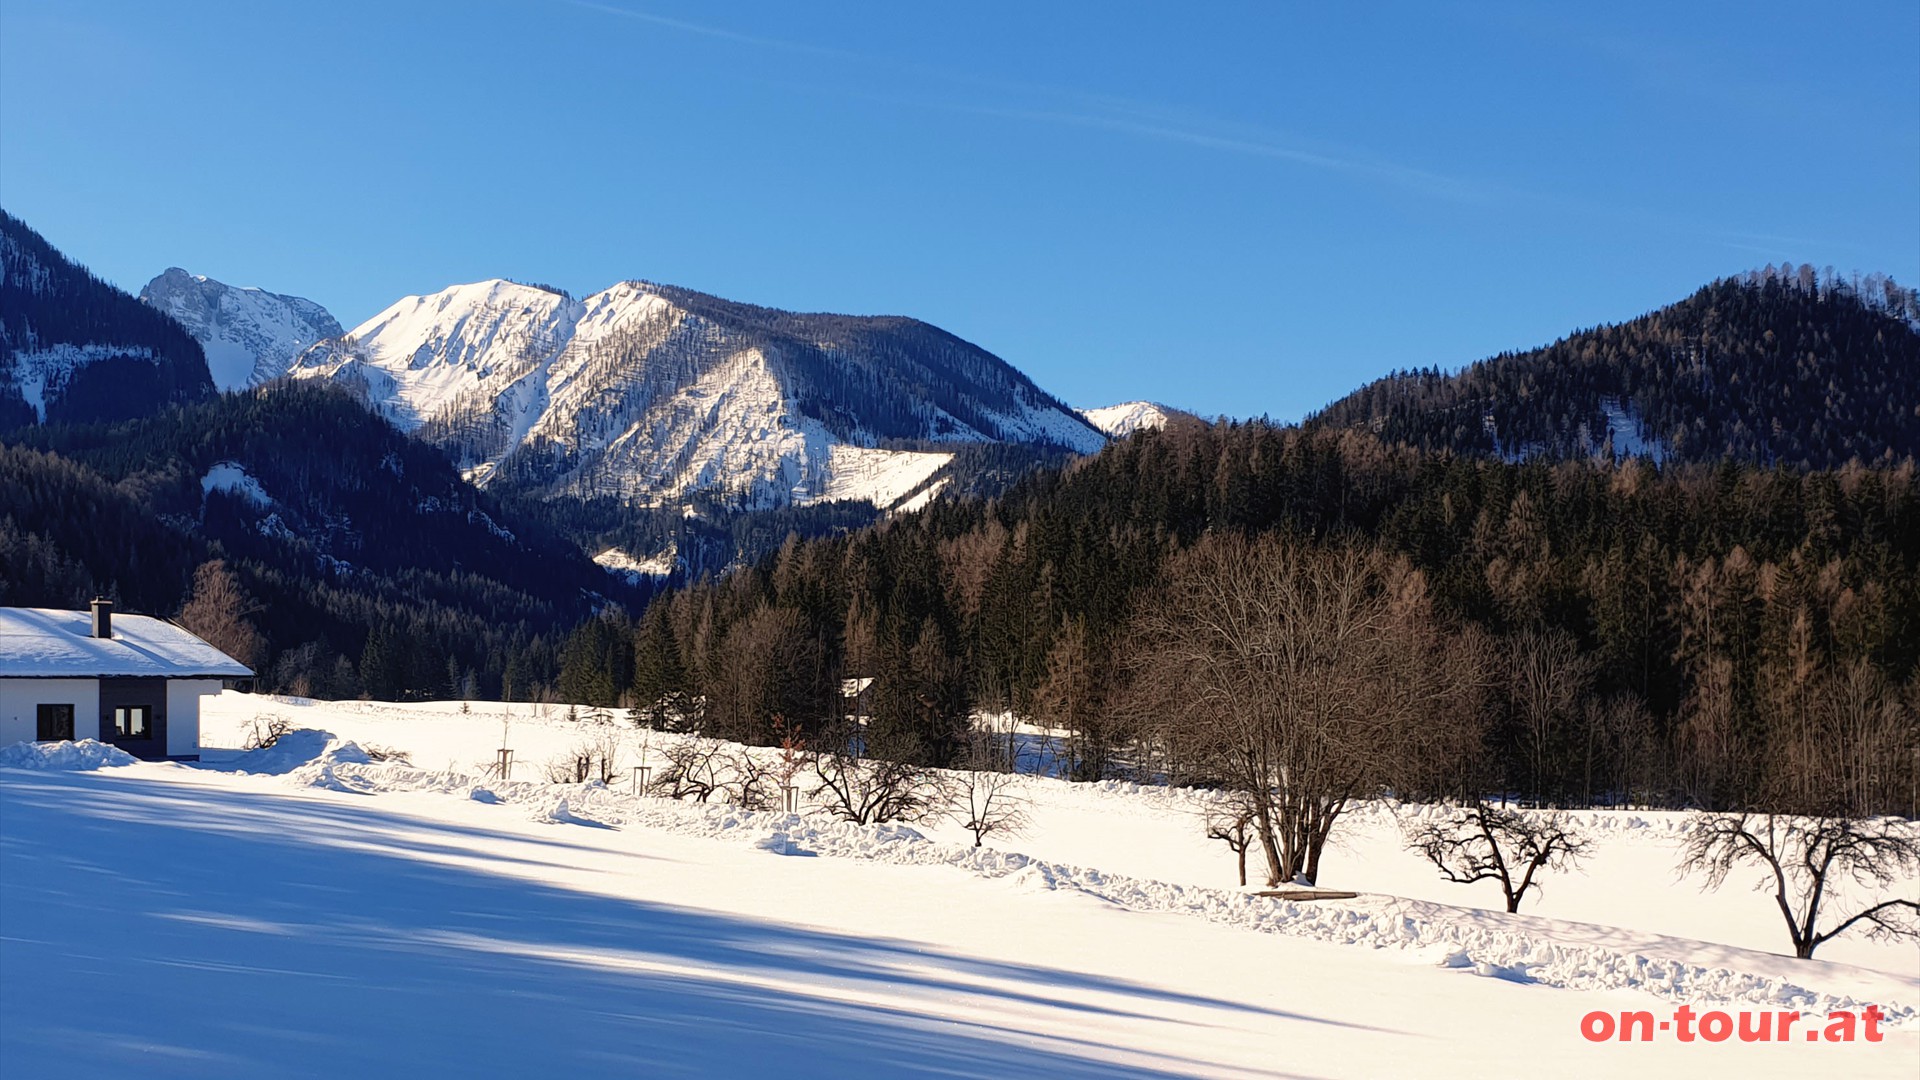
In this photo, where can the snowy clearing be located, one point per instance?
(310, 910)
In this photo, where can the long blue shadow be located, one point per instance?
(162, 930)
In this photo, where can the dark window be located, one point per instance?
(131, 722)
(54, 723)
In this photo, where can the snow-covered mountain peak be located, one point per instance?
(649, 393)
(249, 335)
(1124, 419)
(463, 325)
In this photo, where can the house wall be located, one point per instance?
(19, 696)
(183, 714)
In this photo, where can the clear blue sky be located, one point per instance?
(1234, 208)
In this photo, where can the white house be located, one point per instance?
(131, 680)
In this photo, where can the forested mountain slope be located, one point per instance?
(1681, 615)
(74, 348)
(1780, 366)
(368, 563)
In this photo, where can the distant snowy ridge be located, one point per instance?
(1124, 419)
(649, 393)
(250, 335)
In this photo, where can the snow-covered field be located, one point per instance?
(305, 911)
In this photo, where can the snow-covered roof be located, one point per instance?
(50, 643)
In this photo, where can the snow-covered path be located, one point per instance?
(166, 920)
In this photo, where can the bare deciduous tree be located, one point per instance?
(1632, 745)
(1805, 858)
(218, 611)
(1072, 698)
(767, 665)
(1482, 842)
(1303, 677)
(986, 800)
(1232, 823)
(1547, 680)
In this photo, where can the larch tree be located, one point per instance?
(218, 611)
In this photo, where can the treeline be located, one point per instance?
(1784, 366)
(353, 560)
(1644, 635)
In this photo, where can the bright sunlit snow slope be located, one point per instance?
(250, 335)
(320, 915)
(649, 393)
(1128, 417)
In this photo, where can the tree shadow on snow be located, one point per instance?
(158, 929)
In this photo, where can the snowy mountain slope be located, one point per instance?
(74, 348)
(250, 335)
(45, 374)
(1122, 420)
(646, 393)
(617, 561)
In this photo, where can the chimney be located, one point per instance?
(102, 617)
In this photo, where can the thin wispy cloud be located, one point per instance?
(1073, 108)
(1040, 103)
(709, 30)
(1199, 134)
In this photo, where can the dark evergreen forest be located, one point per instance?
(370, 568)
(1671, 614)
(145, 359)
(1783, 366)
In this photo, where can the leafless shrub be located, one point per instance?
(867, 791)
(590, 759)
(1805, 859)
(1482, 842)
(750, 783)
(266, 730)
(566, 769)
(694, 767)
(387, 754)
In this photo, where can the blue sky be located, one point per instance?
(1234, 208)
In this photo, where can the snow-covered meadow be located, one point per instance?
(306, 910)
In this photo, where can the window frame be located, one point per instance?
(123, 716)
(46, 712)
